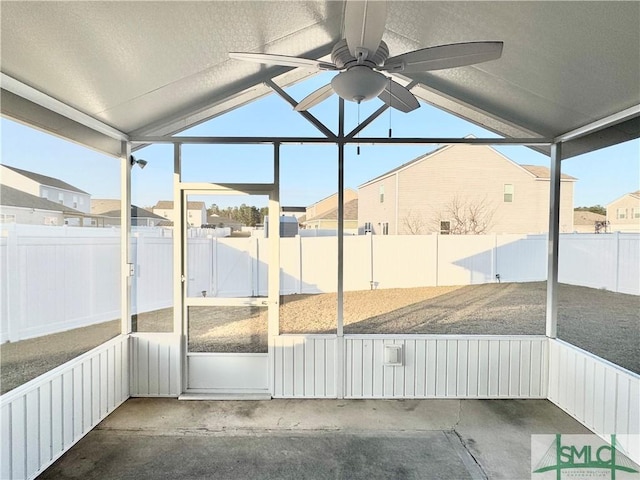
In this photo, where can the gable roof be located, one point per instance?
(168, 205)
(136, 212)
(12, 197)
(350, 213)
(583, 217)
(635, 195)
(101, 205)
(45, 180)
(536, 171)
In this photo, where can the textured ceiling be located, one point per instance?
(160, 67)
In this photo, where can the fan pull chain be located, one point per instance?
(389, 107)
(358, 146)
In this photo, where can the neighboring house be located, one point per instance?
(218, 221)
(139, 217)
(329, 203)
(436, 192)
(17, 206)
(297, 212)
(50, 188)
(196, 212)
(589, 222)
(102, 205)
(328, 220)
(623, 213)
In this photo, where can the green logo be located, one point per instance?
(581, 456)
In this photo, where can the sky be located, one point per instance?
(309, 172)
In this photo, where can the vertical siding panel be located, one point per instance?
(389, 375)
(6, 452)
(310, 367)
(104, 384)
(45, 423)
(56, 414)
(67, 407)
(288, 367)
(610, 400)
(598, 397)
(634, 410)
(579, 386)
(164, 367)
(472, 374)
(32, 420)
(504, 368)
(299, 368)
(111, 375)
(399, 373)
(483, 368)
(420, 368)
(330, 369)
(278, 359)
(514, 368)
(153, 354)
(589, 393)
(117, 380)
(143, 366)
(124, 360)
(320, 372)
(78, 402)
(368, 368)
(463, 368)
(356, 371)
(536, 369)
(18, 438)
(409, 351)
(494, 368)
(452, 368)
(432, 367)
(622, 405)
(378, 369)
(524, 387)
(563, 362)
(544, 368)
(441, 368)
(348, 367)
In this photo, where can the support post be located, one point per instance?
(554, 237)
(340, 318)
(126, 268)
(179, 241)
(273, 287)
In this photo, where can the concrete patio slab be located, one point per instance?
(314, 439)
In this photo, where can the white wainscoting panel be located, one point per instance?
(155, 365)
(600, 395)
(43, 418)
(305, 366)
(447, 366)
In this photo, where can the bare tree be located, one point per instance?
(466, 216)
(414, 224)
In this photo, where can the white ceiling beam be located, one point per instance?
(601, 124)
(16, 87)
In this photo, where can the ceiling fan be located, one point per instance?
(362, 55)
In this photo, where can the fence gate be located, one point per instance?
(226, 307)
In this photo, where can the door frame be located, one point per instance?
(246, 362)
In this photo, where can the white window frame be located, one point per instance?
(621, 213)
(444, 231)
(508, 190)
(381, 194)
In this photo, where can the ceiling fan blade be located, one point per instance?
(364, 23)
(398, 97)
(444, 56)
(314, 98)
(284, 60)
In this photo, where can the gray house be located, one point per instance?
(17, 206)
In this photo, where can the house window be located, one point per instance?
(384, 228)
(635, 212)
(368, 227)
(621, 213)
(81, 201)
(45, 193)
(75, 201)
(60, 197)
(6, 218)
(381, 193)
(445, 228)
(508, 193)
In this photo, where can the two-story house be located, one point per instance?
(323, 214)
(53, 189)
(462, 189)
(196, 212)
(623, 213)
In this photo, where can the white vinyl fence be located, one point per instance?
(58, 278)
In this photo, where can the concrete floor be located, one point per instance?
(314, 439)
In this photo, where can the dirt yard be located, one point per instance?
(602, 322)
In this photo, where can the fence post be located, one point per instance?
(617, 250)
(299, 289)
(371, 258)
(14, 299)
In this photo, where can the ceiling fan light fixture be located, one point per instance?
(358, 84)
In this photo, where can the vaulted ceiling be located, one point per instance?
(98, 72)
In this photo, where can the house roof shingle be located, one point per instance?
(350, 212)
(136, 212)
(581, 217)
(47, 181)
(540, 171)
(168, 205)
(101, 205)
(12, 197)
